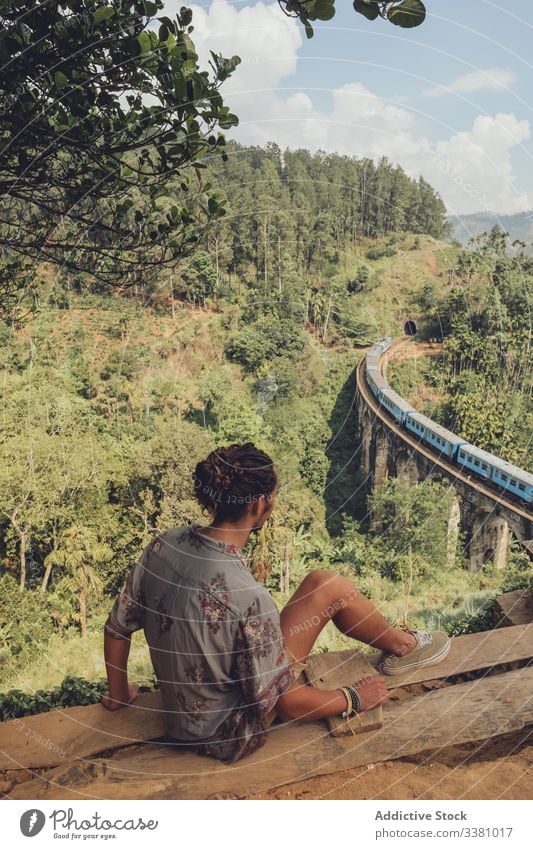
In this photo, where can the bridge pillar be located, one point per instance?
(406, 467)
(374, 447)
(366, 434)
(380, 466)
(488, 539)
(380, 454)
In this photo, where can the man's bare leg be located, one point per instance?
(325, 596)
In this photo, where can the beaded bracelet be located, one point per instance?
(356, 698)
(353, 700)
(349, 705)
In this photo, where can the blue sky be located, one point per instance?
(451, 99)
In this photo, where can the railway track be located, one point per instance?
(438, 461)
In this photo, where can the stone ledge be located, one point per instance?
(514, 608)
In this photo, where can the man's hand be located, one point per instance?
(116, 703)
(372, 691)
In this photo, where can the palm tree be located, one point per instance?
(79, 552)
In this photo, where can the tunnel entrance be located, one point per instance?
(409, 327)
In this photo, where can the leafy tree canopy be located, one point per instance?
(101, 104)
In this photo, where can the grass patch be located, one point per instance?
(70, 656)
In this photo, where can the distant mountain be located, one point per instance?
(519, 226)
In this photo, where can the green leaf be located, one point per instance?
(410, 13)
(189, 46)
(308, 28)
(324, 10)
(103, 14)
(171, 26)
(185, 16)
(367, 8)
(149, 8)
(143, 39)
(188, 68)
(169, 42)
(60, 79)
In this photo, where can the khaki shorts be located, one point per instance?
(297, 667)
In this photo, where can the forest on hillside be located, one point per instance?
(110, 398)
(289, 218)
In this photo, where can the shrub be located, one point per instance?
(260, 342)
(126, 363)
(25, 618)
(70, 693)
(361, 282)
(471, 623)
(379, 253)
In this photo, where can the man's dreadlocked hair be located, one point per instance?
(232, 477)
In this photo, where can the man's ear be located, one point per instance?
(257, 506)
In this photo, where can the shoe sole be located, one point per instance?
(431, 661)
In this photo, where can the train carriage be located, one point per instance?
(373, 369)
(440, 438)
(394, 403)
(386, 396)
(506, 476)
(515, 480)
(384, 343)
(380, 347)
(372, 362)
(376, 380)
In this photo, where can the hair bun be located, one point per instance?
(241, 472)
(223, 480)
(220, 471)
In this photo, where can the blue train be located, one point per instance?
(487, 466)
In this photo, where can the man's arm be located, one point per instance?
(116, 653)
(304, 702)
(124, 618)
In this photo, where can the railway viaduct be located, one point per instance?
(482, 515)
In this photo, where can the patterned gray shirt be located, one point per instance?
(214, 638)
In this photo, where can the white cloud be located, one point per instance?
(491, 79)
(358, 123)
(266, 41)
(472, 170)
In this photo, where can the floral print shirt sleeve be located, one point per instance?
(260, 663)
(126, 614)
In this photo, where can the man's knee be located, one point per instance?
(326, 583)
